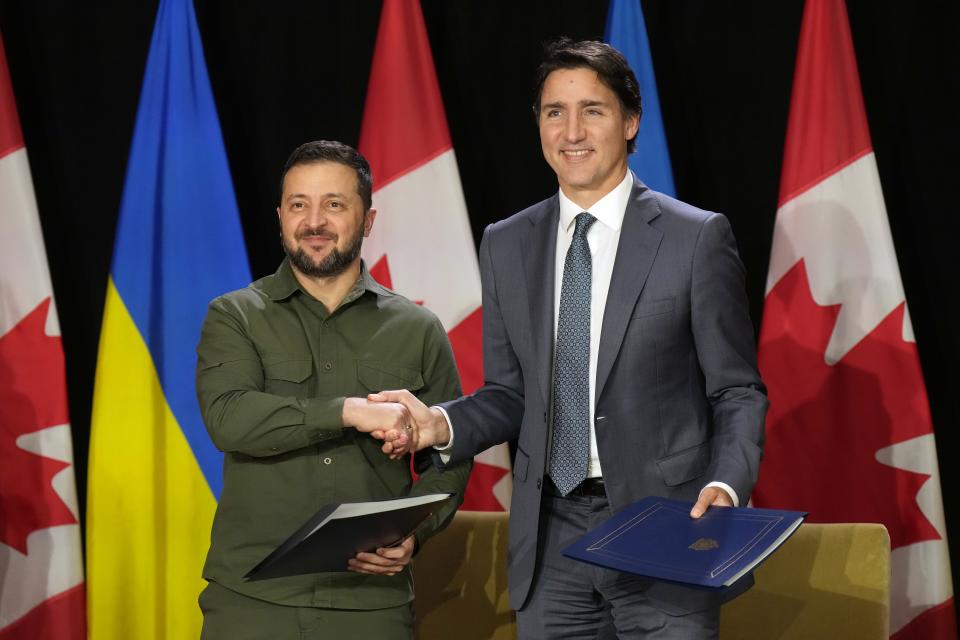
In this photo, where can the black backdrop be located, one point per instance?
(284, 72)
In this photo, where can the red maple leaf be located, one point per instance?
(827, 422)
(465, 338)
(381, 272)
(479, 494)
(33, 396)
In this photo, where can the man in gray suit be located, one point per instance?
(618, 352)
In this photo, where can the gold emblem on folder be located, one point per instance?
(704, 544)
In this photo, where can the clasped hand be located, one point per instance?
(399, 419)
(427, 426)
(376, 417)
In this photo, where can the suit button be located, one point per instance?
(327, 366)
(544, 417)
(600, 418)
(539, 483)
(327, 461)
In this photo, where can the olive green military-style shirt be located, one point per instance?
(274, 369)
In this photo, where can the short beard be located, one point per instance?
(333, 265)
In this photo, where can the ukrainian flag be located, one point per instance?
(627, 33)
(154, 475)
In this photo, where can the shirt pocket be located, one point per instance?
(376, 376)
(287, 374)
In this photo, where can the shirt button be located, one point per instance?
(327, 461)
(327, 366)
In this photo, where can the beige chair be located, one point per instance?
(461, 581)
(828, 581)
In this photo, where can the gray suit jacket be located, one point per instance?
(679, 400)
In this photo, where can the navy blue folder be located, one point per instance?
(657, 538)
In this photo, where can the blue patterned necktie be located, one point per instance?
(571, 369)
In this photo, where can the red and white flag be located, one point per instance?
(41, 566)
(423, 247)
(849, 434)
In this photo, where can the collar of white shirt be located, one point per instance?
(609, 209)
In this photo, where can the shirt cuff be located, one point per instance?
(325, 415)
(445, 457)
(728, 489)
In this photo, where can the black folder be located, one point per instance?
(337, 532)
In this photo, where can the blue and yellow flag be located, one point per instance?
(154, 475)
(627, 32)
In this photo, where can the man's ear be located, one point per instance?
(368, 219)
(631, 127)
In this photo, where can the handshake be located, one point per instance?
(399, 420)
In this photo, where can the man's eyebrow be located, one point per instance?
(581, 104)
(331, 194)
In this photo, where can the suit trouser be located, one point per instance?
(228, 615)
(571, 599)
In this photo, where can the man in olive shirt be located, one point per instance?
(284, 367)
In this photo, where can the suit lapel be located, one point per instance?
(636, 251)
(539, 250)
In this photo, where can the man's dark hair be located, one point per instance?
(611, 67)
(333, 151)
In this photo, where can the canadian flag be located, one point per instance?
(849, 434)
(423, 247)
(41, 567)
